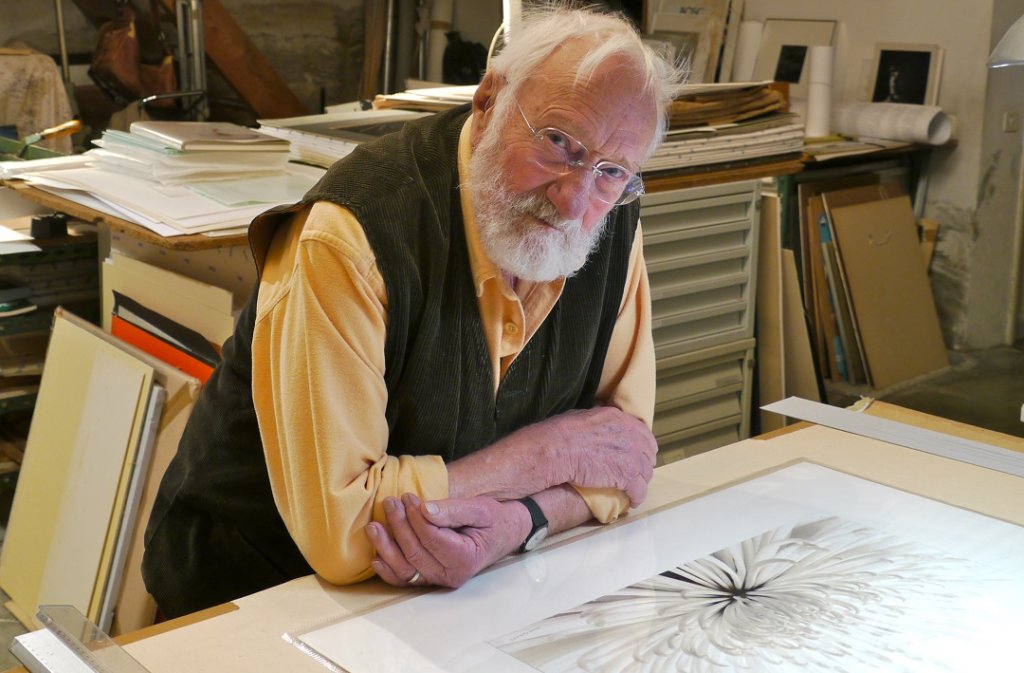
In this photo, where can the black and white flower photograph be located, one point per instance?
(822, 595)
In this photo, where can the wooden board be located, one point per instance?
(889, 290)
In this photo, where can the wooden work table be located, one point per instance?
(246, 635)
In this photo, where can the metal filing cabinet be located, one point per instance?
(701, 249)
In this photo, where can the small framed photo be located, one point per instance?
(783, 54)
(692, 32)
(906, 73)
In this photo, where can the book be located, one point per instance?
(164, 351)
(173, 333)
(187, 136)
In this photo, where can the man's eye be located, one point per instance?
(613, 172)
(558, 139)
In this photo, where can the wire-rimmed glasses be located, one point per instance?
(558, 152)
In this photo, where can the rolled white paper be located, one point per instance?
(924, 124)
(748, 42)
(819, 92)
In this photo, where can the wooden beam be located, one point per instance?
(243, 65)
(231, 51)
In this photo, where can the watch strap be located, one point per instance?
(537, 521)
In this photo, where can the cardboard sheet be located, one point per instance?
(799, 372)
(134, 608)
(889, 290)
(86, 425)
(197, 305)
(771, 357)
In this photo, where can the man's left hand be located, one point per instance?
(445, 542)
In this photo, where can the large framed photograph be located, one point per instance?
(692, 32)
(906, 73)
(784, 52)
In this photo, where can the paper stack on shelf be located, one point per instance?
(719, 123)
(775, 134)
(324, 138)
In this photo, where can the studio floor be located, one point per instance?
(983, 388)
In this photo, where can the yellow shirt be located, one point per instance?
(318, 377)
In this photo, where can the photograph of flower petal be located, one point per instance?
(827, 594)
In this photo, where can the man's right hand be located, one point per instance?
(602, 447)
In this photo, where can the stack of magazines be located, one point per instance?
(727, 123)
(175, 152)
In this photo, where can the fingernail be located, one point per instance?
(376, 565)
(411, 500)
(432, 508)
(389, 504)
(371, 530)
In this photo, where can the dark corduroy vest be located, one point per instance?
(404, 190)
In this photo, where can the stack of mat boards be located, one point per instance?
(107, 421)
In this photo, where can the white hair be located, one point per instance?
(544, 29)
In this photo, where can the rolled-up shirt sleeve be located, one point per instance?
(319, 393)
(628, 377)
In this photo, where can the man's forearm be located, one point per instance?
(563, 507)
(599, 448)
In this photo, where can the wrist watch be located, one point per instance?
(538, 528)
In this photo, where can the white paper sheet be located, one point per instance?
(958, 607)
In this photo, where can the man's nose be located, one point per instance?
(570, 193)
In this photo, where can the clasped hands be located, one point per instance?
(446, 542)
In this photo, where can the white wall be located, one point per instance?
(973, 188)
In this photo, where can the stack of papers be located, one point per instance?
(176, 178)
(213, 208)
(778, 134)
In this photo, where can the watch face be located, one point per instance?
(535, 539)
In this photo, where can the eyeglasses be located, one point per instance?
(558, 152)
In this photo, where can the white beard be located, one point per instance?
(513, 240)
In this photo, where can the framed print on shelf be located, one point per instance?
(693, 31)
(783, 54)
(906, 73)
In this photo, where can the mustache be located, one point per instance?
(540, 207)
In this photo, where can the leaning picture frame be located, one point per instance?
(692, 31)
(906, 73)
(784, 52)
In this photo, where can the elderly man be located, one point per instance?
(449, 351)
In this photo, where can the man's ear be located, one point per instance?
(483, 103)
